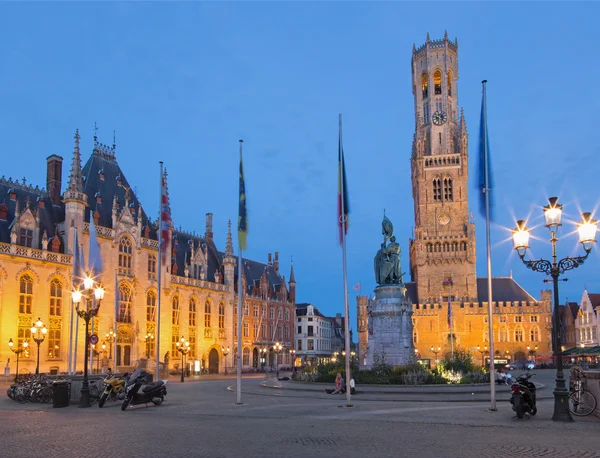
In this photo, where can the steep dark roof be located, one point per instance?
(254, 270)
(594, 299)
(49, 215)
(504, 289)
(181, 241)
(99, 162)
(573, 308)
(301, 310)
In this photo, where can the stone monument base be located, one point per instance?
(391, 328)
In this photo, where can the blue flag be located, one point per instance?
(94, 257)
(243, 211)
(485, 167)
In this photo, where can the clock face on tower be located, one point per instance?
(439, 118)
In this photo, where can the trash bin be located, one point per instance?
(60, 392)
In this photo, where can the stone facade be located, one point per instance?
(443, 248)
(198, 295)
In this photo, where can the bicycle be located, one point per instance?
(581, 402)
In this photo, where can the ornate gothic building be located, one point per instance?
(199, 303)
(442, 252)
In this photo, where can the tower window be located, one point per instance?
(437, 190)
(424, 85)
(448, 189)
(425, 113)
(449, 84)
(437, 82)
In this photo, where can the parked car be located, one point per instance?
(520, 365)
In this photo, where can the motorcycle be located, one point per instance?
(114, 387)
(523, 396)
(154, 392)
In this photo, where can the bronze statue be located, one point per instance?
(388, 270)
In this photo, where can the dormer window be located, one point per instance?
(26, 237)
(101, 175)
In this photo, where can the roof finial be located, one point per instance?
(427, 40)
(95, 133)
(445, 35)
(114, 139)
(76, 179)
(229, 245)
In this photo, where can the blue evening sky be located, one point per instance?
(182, 82)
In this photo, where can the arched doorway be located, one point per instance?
(520, 356)
(213, 362)
(124, 344)
(255, 357)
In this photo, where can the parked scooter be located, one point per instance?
(154, 392)
(523, 395)
(114, 387)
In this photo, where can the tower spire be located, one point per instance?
(76, 178)
(229, 245)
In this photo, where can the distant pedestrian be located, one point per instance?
(339, 384)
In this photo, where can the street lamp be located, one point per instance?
(148, 338)
(277, 349)
(532, 352)
(38, 334)
(293, 356)
(435, 352)
(582, 355)
(263, 358)
(483, 352)
(110, 335)
(183, 347)
(17, 352)
(93, 293)
(587, 236)
(225, 352)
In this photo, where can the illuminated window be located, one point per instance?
(125, 255)
(256, 311)
(152, 264)
(437, 82)
(175, 310)
(174, 340)
(207, 314)
(534, 334)
(192, 312)
(519, 334)
(24, 335)
(449, 84)
(55, 298)
(246, 356)
(25, 294)
(246, 330)
(192, 341)
(150, 306)
(424, 85)
(54, 344)
(503, 334)
(125, 294)
(222, 315)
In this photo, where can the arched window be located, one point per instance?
(437, 82)
(54, 343)
(449, 84)
(125, 255)
(25, 294)
(534, 333)
(175, 311)
(150, 306)
(503, 334)
(519, 334)
(437, 189)
(151, 265)
(246, 356)
(207, 314)
(454, 246)
(221, 315)
(55, 298)
(286, 315)
(246, 329)
(446, 247)
(192, 312)
(125, 294)
(448, 195)
(424, 85)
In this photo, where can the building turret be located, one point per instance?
(229, 259)
(292, 284)
(75, 199)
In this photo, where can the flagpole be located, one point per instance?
(239, 307)
(73, 276)
(486, 192)
(343, 221)
(451, 324)
(160, 266)
(114, 336)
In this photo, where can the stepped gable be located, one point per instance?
(253, 271)
(183, 254)
(99, 164)
(50, 216)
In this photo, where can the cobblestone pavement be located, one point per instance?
(201, 420)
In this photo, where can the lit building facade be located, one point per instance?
(38, 230)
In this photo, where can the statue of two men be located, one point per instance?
(387, 260)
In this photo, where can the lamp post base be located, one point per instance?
(561, 406)
(85, 394)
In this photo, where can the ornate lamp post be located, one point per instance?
(110, 335)
(435, 352)
(587, 236)
(263, 352)
(148, 338)
(183, 347)
(277, 349)
(483, 352)
(38, 334)
(92, 293)
(225, 352)
(17, 352)
(582, 355)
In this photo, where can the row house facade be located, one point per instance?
(38, 229)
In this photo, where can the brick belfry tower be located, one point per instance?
(443, 246)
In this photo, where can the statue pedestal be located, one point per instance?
(392, 329)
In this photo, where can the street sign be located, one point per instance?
(93, 339)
